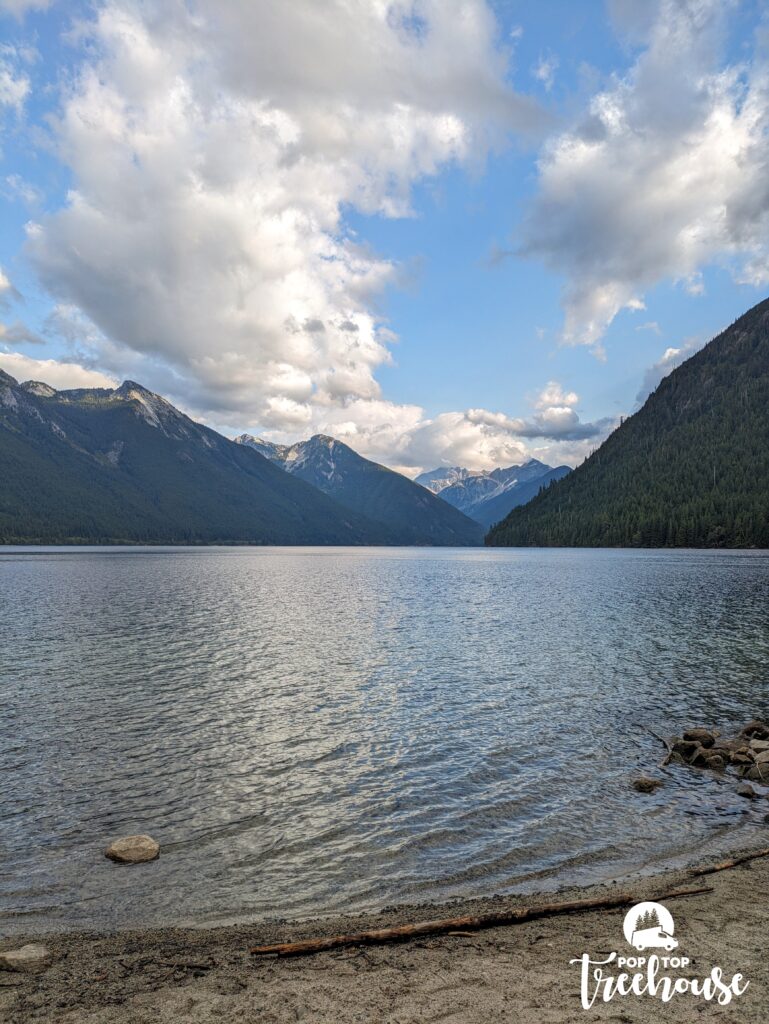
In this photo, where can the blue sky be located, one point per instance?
(476, 235)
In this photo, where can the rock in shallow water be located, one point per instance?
(644, 784)
(703, 736)
(687, 749)
(133, 850)
(747, 791)
(759, 773)
(757, 730)
(26, 959)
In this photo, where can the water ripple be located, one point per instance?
(315, 730)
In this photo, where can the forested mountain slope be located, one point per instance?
(123, 465)
(405, 511)
(691, 468)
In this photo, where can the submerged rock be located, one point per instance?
(645, 784)
(133, 850)
(26, 959)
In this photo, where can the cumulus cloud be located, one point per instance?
(409, 440)
(554, 419)
(214, 146)
(664, 173)
(59, 375)
(553, 394)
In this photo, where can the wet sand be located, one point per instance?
(519, 973)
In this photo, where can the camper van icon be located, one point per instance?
(650, 926)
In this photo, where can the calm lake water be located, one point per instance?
(315, 730)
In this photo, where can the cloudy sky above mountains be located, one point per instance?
(446, 231)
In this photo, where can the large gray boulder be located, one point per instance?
(133, 850)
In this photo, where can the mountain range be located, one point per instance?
(689, 469)
(123, 465)
(487, 497)
(409, 513)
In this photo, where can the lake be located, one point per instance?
(316, 730)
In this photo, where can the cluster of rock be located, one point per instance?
(747, 754)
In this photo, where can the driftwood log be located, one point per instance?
(468, 923)
(732, 863)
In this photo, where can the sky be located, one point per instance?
(447, 232)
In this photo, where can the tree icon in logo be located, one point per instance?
(649, 926)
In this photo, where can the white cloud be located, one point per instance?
(59, 375)
(8, 293)
(20, 7)
(665, 173)
(553, 395)
(14, 86)
(544, 70)
(18, 188)
(214, 146)
(405, 438)
(650, 325)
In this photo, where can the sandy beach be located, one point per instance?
(514, 973)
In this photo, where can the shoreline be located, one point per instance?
(519, 972)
